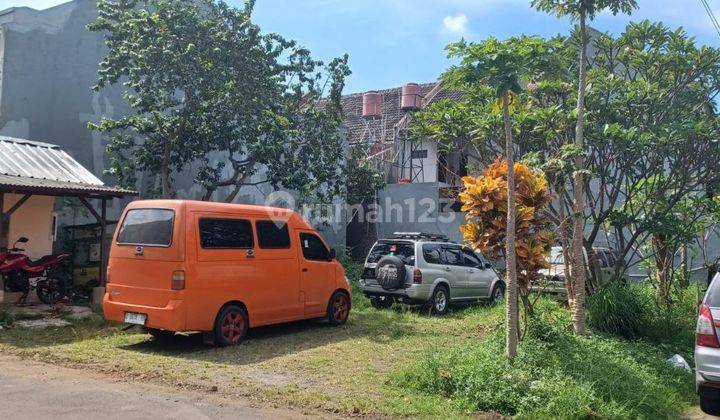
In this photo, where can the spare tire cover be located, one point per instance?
(390, 272)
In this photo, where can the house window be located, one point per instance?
(53, 227)
(419, 154)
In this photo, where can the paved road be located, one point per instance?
(32, 390)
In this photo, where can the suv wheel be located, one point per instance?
(440, 300)
(381, 302)
(710, 406)
(498, 294)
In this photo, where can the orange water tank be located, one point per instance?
(411, 99)
(372, 105)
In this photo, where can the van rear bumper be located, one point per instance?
(171, 317)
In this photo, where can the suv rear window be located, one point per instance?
(151, 227)
(403, 250)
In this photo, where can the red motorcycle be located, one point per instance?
(48, 275)
(12, 256)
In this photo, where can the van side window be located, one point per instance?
(225, 233)
(272, 235)
(313, 248)
(432, 253)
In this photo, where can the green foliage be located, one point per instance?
(631, 311)
(211, 94)
(585, 8)
(502, 65)
(618, 309)
(6, 318)
(363, 179)
(555, 375)
(649, 116)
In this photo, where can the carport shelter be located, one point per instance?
(32, 174)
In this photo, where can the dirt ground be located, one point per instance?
(35, 390)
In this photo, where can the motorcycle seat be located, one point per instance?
(41, 261)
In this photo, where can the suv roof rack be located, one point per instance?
(421, 236)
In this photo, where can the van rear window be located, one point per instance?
(147, 227)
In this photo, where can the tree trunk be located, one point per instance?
(511, 266)
(562, 236)
(578, 263)
(684, 272)
(165, 169)
(663, 263)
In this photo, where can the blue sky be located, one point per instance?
(392, 42)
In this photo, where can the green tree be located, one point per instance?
(654, 117)
(214, 96)
(581, 10)
(502, 65)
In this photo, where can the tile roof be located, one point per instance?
(359, 128)
(30, 166)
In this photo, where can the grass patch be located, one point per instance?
(397, 362)
(631, 311)
(555, 375)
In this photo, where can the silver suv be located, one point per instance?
(419, 268)
(707, 350)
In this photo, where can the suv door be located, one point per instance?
(479, 278)
(435, 266)
(459, 287)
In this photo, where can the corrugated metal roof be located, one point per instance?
(35, 165)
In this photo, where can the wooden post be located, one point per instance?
(3, 227)
(103, 249)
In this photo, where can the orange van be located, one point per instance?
(179, 265)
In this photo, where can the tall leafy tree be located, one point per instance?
(215, 97)
(653, 118)
(581, 10)
(502, 66)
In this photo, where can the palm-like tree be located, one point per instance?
(502, 65)
(581, 10)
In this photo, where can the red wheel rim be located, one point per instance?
(233, 326)
(340, 308)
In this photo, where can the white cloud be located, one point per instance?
(456, 24)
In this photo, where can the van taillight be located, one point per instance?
(178, 280)
(705, 335)
(417, 276)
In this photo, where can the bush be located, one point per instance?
(618, 309)
(555, 375)
(353, 271)
(631, 311)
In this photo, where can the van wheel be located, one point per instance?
(440, 300)
(231, 326)
(381, 302)
(338, 309)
